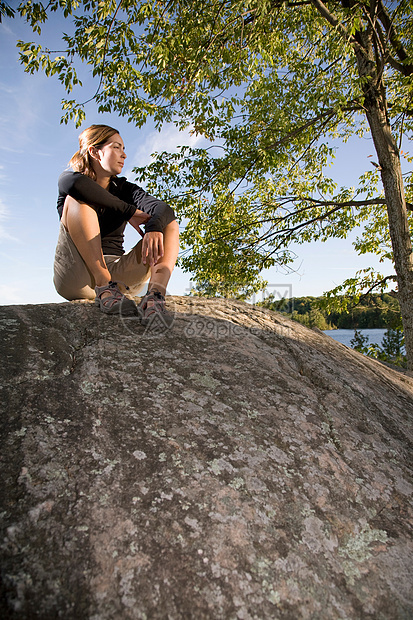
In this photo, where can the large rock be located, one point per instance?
(237, 466)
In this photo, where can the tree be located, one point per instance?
(393, 344)
(267, 84)
(391, 349)
(359, 342)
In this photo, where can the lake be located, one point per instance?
(344, 336)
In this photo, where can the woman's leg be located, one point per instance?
(129, 269)
(152, 305)
(82, 223)
(162, 271)
(71, 277)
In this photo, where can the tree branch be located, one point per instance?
(393, 278)
(382, 43)
(324, 203)
(347, 203)
(388, 26)
(398, 66)
(333, 21)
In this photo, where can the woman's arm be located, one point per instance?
(161, 214)
(138, 219)
(84, 189)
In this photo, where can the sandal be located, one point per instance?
(116, 302)
(156, 311)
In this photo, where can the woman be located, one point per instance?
(95, 205)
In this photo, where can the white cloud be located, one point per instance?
(10, 150)
(167, 140)
(4, 216)
(5, 29)
(23, 111)
(6, 88)
(10, 295)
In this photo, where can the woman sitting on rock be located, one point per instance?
(94, 205)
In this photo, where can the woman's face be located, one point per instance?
(109, 158)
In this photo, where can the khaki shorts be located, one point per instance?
(73, 280)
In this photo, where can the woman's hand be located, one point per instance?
(152, 245)
(152, 248)
(139, 218)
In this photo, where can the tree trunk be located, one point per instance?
(391, 175)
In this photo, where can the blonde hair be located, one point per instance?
(95, 135)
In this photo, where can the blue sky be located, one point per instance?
(35, 149)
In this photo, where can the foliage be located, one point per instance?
(313, 318)
(5, 10)
(359, 341)
(376, 311)
(391, 349)
(267, 84)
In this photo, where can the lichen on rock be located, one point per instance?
(234, 466)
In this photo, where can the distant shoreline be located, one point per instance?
(377, 311)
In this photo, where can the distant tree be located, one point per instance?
(268, 83)
(375, 311)
(359, 342)
(390, 350)
(393, 343)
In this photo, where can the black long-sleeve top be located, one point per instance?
(114, 206)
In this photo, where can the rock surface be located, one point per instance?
(238, 466)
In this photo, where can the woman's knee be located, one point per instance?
(171, 245)
(172, 227)
(72, 208)
(171, 238)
